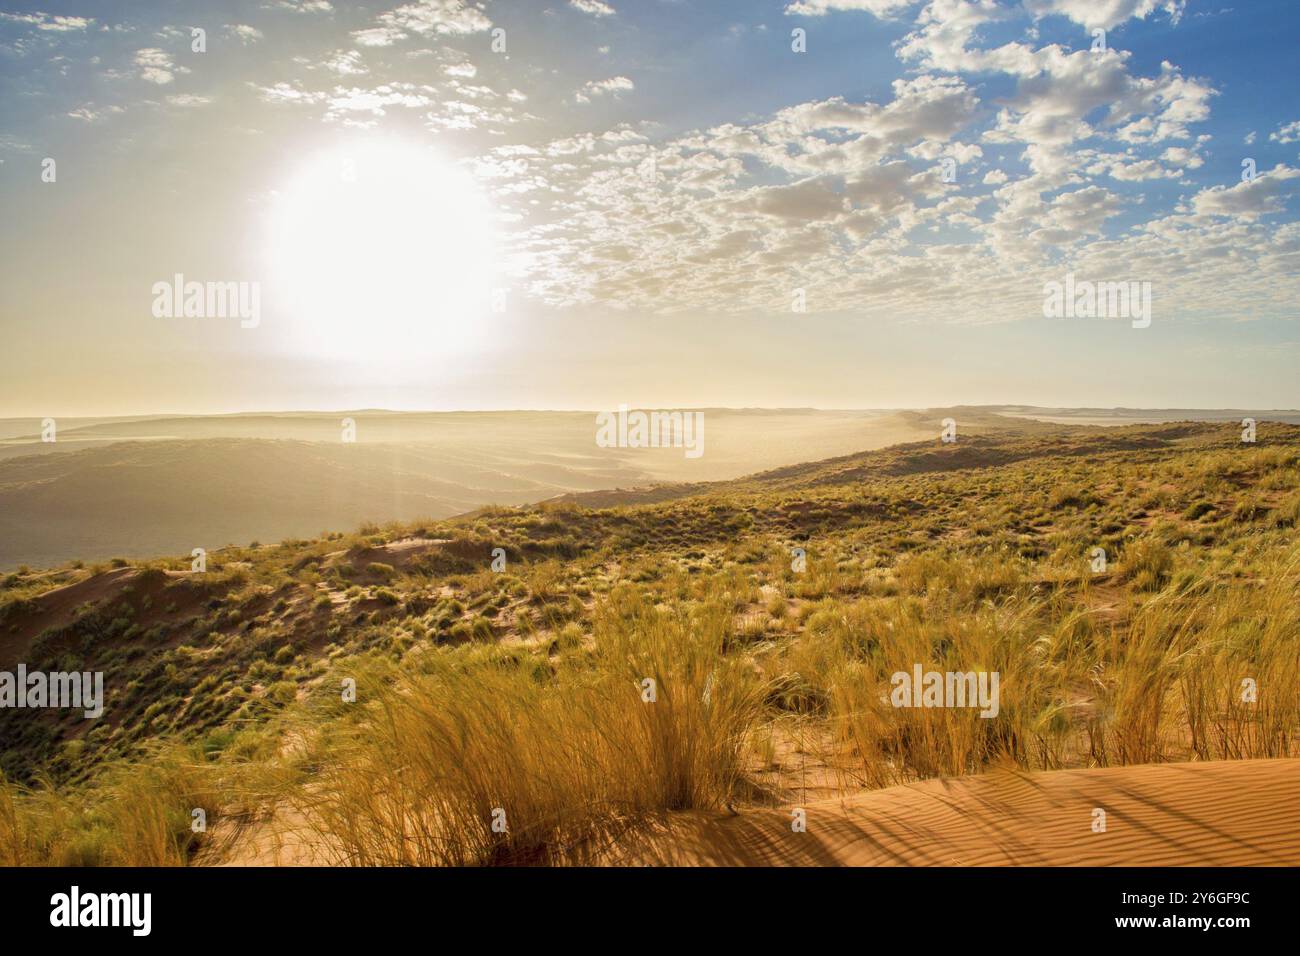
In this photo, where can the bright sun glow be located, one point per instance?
(382, 252)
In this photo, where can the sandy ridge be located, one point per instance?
(1221, 813)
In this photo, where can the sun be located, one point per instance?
(382, 252)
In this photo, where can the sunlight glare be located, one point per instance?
(382, 253)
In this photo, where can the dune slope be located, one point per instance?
(1221, 813)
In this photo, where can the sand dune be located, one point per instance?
(1224, 813)
(57, 607)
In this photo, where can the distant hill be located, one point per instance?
(144, 487)
(140, 488)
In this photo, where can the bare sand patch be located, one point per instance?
(1221, 813)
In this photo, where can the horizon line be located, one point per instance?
(655, 406)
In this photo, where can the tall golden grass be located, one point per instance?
(1164, 682)
(557, 758)
(138, 814)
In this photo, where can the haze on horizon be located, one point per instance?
(617, 203)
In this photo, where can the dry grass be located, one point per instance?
(138, 815)
(555, 760)
(1165, 684)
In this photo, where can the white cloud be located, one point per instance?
(346, 63)
(1183, 157)
(1288, 133)
(285, 93)
(302, 6)
(597, 8)
(1105, 13)
(454, 105)
(818, 8)
(188, 100)
(89, 113)
(1056, 88)
(378, 36)
(374, 101)
(157, 66)
(49, 22)
(614, 85)
(812, 199)
(425, 18)
(243, 32)
(1248, 199)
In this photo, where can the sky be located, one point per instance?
(445, 204)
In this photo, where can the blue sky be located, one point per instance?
(683, 208)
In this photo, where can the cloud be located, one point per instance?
(374, 101)
(286, 93)
(302, 6)
(614, 85)
(819, 8)
(597, 8)
(1076, 215)
(1105, 13)
(1248, 199)
(809, 138)
(49, 22)
(188, 100)
(378, 36)
(425, 18)
(453, 106)
(1057, 89)
(1288, 133)
(810, 200)
(157, 66)
(243, 32)
(90, 113)
(1183, 157)
(346, 63)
